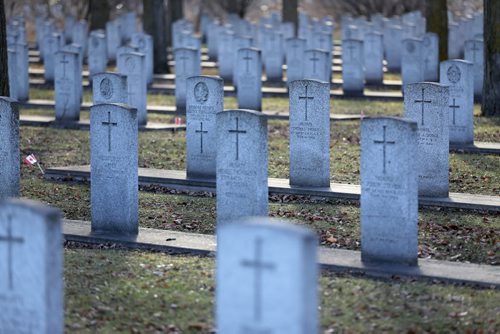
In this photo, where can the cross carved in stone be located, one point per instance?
(453, 108)
(237, 131)
(384, 142)
(423, 101)
(306, 97)
(10, 240)
(109, 124)
(201, 132)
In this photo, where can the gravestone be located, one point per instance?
(187, 64)
(412, 65)
(315, 65)
(393, 35)
(353, 75)
(51, 47)
(295, 48)
(12, 72)
(239, 42)
(373, 58)
(78, 79)
(109, 88)
(474, 53)
(97, 54)
(248, 76)
(427, 104)
(458, 75)
(267, 278)
(241, 165)
(67, 93)
(31, 268)
(225, 54)
(431, 56)
(144, 44)
(114, 169)
(389, 190)
(324, 41)
(205, 98)
(274, 56)
(113, 39)
(9, 148)
(80, 32)
(131, 64)
(309, 133)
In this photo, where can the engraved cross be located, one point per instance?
(10, 239)
(109, 124)
(237, 131)
(306, 98)
(201, 132)
(454, 107)
(423, 101)
(247, 59)
(384, 142)
(259, 266)
(64, 61)
(314, 59)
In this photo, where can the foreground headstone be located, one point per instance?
(109, 88)
(248, 76)
(309, 133)
(427, 104)
(458, 75)
(205, 98)
(132, 65)
(389, 190)
(67, 92)
(353, 75)
(9, 148)
(114, 169)
(31, 269)
(241, 165)
(267, 278)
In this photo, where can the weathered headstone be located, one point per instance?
(274, 56)
(389, 190)
(97, 54)
(248, 76)
(239, 42)
(458, 75)
(205, 98)
(315, 65)
(412, 62)
(51, 47)
(266, 278)
(109, 88)
(393, 35)
(187, 64)
(113, 39)
(309, 133)
(80, 32)
(67, 93)
(9, 148)
(353, 75)
(431, 56)
(78, 79)
(114, 169)
(474, 53)
(225, 54)
(144, 44)
(295, 48)
(12, 71)
(131, 64)
(427, 104)
(373, 58)
(31, 268)
(241, 165)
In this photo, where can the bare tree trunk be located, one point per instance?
(437, 22)
(176, 10)
(99, 14)
(491, 87)
(154, 25)
(4, 67)
(290, 14)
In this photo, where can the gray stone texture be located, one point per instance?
(427, 104)
(374, 58)
(241, 165)
(97, 53)
(109, 88)
(431, 57)
(267, 278)
(9, 148)
(31, 268)
(412, 64)
(295, 48)
(389, 190)
(315, 65)
(248, 76)
(273, 56)
(67, 91)
(132, 65)
(309, 133)
(205, 98)
(474, 53)
(458, 75)
(144, 44)
(393, 35)
(114, 169)
(225, 54)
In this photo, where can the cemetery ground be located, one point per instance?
(166, 292)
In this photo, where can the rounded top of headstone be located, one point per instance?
(307, 82)
(241, 111)
(13, 204)
(397, 120)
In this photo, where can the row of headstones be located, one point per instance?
(464, 29)
(18, 59)
(254, 258)
(98, 48)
